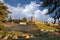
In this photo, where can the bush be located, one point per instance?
(2, 27)
(3, 31)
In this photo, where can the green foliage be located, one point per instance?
(3, 11)
(24, 19)
(16, 20)
(2, 28)
(53, 7)
(11, 19)
(49, 3)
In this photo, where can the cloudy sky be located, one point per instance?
(26, 8)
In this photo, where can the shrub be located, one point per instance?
(2, 27)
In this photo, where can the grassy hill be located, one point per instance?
(41, 25)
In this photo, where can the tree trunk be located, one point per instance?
(58, 21)
(54, 20)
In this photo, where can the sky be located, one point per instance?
(27, 8)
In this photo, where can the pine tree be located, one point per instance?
(52, 5)
(3, 12)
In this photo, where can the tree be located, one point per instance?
(11, 19)
(24, 19)
(52, 5)
(3, 12)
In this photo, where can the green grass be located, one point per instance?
(47, 38)
(44, 26)
(1, 32)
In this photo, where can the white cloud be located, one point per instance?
(2, 0)
(50, 20)
(28, 10)
(44, 11)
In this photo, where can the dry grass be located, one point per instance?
(44, 26)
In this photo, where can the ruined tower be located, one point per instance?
(32, 19)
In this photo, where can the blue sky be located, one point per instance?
(26, 8)
(15, 2)
(22, 2)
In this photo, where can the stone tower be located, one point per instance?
(32, 19)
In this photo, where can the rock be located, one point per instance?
(15, 37)
(56, 25)
(42, 29)
(27, 36)
(51, 24)
(6, 37)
